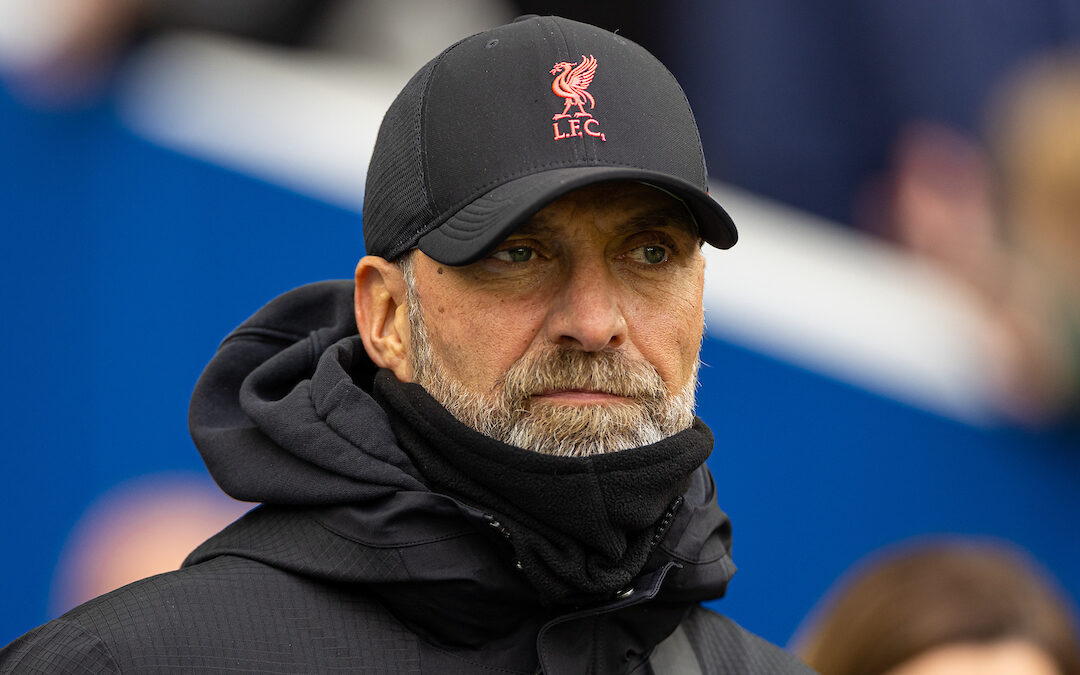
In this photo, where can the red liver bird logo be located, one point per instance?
(572, 82)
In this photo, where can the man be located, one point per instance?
(480, 456)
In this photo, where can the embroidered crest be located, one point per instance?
(572, 82)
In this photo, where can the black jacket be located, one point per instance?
(353, 564)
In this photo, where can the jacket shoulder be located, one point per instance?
(228, 613)
(60, 647)
(722, 646)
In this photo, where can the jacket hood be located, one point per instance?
(283, 415)
(272, 429)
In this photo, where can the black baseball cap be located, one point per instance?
(505, 121)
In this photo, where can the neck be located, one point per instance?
(579, 528)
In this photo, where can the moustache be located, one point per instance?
(559, 368)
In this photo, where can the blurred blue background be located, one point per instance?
(123, 267)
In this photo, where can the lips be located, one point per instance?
(580, 396)
(575, 390)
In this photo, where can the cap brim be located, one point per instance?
(475, 230)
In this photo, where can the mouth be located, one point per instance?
(579, 397)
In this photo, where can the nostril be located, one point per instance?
(591, 343)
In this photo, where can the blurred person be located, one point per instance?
(943, 607)
(140, 528)
(804, 102)
(1004, 218)
(480, 454)
(60, 52)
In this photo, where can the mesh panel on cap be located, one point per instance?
(396, 202)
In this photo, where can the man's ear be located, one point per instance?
(382, 315)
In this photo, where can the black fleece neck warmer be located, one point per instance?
(581, 528)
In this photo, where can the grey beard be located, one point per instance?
(509, 413)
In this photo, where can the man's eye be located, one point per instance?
(517, 254)
(650, 255)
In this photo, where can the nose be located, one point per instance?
(586, 312)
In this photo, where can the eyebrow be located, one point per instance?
(666, 216)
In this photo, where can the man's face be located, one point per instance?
(579, 334)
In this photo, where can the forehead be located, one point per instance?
(623, 205)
